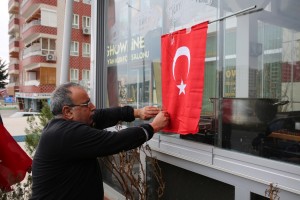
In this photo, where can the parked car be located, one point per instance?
(24, 114)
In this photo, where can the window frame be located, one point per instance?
(75, 22)
(86, 49)
(49, 49)
(85, 74)
(86, 19)
(74, 75)
(74, 48)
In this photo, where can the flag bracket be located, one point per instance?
(233, 14)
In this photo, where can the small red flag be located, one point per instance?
(183, 57)
(14, 162)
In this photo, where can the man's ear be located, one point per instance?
(67, 112)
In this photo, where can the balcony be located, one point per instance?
(14, 54)
(14, 25)
(13, 16)
(27, 26)
(13, 68)
(13, 6)
(13, 84)
(12, 88)
(13, 45)
(35, 49)
(32, 83)
(13, 39)
(29, 8)
(34, 30)
(40, 77)
(35, 57)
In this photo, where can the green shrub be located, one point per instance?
(36, 125)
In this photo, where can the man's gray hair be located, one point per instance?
(61, 97)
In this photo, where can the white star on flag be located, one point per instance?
(181, 87)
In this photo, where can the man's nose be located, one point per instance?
(92, 106)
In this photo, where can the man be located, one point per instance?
(65, 164)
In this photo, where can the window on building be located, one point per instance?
(86, 48)
(75, 23)
(74, 50)
(30, 76)
(86, 21)
(74, 75)
(85, 74)
(85, 82)
(48, 46)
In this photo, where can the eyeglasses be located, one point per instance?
(87, 104)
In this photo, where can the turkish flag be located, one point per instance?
(14, 162)
(183, 57)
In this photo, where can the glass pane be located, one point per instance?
(258, 111)
(132, 51)
(259, 107)
(45, 43)
(251, 99)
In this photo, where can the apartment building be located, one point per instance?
(36, 33)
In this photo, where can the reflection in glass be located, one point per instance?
(251, 99)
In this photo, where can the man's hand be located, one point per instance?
(146, 113)
(160, 121)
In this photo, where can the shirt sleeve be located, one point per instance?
(86, 142)
(104, 118)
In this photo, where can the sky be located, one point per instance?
(4, 39)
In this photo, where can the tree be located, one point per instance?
(3, 73)
(33, 133)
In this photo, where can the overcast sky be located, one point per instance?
(4, 30)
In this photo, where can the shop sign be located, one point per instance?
(9, 100)
(126, 51)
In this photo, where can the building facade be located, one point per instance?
(35, 30)
(248, 144)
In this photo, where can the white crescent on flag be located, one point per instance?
(181, 51)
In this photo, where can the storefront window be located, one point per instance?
(251, 99)
(259, 102)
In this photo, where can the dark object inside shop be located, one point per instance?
(252, 126)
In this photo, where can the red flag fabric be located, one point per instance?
(14, 162)
(183, 57)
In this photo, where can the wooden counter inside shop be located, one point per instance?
(286, 135)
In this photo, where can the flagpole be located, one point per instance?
(236, 13)
(219, 19)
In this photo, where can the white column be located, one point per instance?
(242, 56)
(66, 41)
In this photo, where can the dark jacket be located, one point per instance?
(65, 164)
